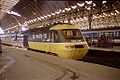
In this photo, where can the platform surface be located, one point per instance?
(36, 66)
(115, 48)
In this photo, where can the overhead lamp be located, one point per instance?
(66, 21)
(67, 9)
(60, 10)
(23, 28)
(42, 17)
(39, 18)
(45, 16)
(94, 4)
(49, 15)
(116, 11)
(13, 13)
(74, 20)
(77, 19)
(74, 7)
(40, 26)
(28, 22)
(34, 20)
(100, 15)
(108, 14)
(81, 5)
(111, 13)
(88, 8)
(103, 2)
(71, 21)
(81, 19)
(94, 16)
(53, 13)
(57, 12)
(105, 14)
(88, 2)
(61, 21)
(34, 13)
(85, 18)
(63, 11)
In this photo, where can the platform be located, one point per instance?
(115, 48)
(37, 66)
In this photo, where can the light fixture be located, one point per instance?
(57, 12)
(13, 13)
(103, 2)
(45, 16)
(108, 14)
(74, 7)
(71, 21)
(116, 11)
(94, 4)
(77, 19)
(81, 5)
(66, 21)
(100, 15)
(94, 17)
(67, 9)
(63, 11)
(60, 10)
(53, 13)
(40, 26)
(105, 14)
(111, 13)
(88, 2)
(49, 15)
(88, 8)
(85, 18)
(42, 17)
(23, 28)
(38, 18)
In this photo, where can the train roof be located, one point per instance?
(57, 26)
(63, 26)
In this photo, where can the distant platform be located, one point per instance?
(114, 49)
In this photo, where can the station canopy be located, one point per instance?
(16, 14)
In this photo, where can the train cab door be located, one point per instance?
(54, 38)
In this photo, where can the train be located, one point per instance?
(63, 40)
(94, 37)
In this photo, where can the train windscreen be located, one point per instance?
(73, 34)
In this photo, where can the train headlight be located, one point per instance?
(69, 46)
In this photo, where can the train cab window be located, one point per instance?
(73, 34)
